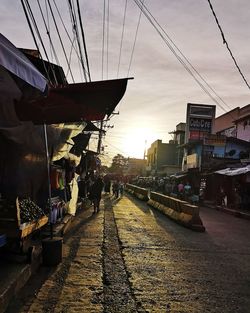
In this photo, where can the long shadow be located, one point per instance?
(36, 282)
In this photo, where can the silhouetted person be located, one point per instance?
(96, 193)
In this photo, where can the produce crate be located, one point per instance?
(10, 222)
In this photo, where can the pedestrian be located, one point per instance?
(187, 191)
(115, 188)
(107, 186)
(180, 190)
(121, 188)
(96, 193)
(221, 197)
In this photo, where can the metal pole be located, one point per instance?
(48, 173)
(100, 138)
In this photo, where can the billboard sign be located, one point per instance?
(199, 121)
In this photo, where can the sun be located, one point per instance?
(136, 141)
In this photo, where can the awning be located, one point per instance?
(234, 171)
(80, 143)
(24, 72)
(90, 127)
(90, 101)
(54, 72)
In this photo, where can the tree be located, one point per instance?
(119, 164)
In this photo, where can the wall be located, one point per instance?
(243, 129)
(160, 154)
(225, 121)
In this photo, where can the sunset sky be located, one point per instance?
(155, 101)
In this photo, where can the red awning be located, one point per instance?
(90, 101)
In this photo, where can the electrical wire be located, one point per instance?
(123, 152)
(133, 49)
(123, 27)
(70, 55)
(47, 15)
(60, 38)
(67, 33)
(83, 38)
(186, 59)
(107, 39)
(226, 43)
(142, 7)
(28, 8)
(75, 30)
(50, 41)
(103, 35)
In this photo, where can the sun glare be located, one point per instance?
(136, 140)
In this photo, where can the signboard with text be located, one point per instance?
(199, 121)
(215, 140)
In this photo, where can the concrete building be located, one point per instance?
(179, 138)
(235, 123)
(136, 167)
(161, 158)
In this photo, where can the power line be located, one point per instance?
(123, 27)
(133, 49)
(103, 35)
(83, 38)
(107, 40)
(144, 10)
(123, 152)
(48, 33)
(60, 38)
(75, 30)
(67, 33)
(28, 12)
(185, 58)
(226, 43)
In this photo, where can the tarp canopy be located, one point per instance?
(92, 127)
(89, 101)
(80, 143)
(26, 76)
(234, 171)
(53, 72)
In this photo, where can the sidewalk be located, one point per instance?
(14, 275)
(238, 213)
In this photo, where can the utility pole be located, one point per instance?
(100, 138)
(145, 149)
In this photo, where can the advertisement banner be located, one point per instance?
(199, 121)
(215, 140)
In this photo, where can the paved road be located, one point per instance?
(173, 269)
(130, 258)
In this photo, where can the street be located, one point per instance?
(131, 258)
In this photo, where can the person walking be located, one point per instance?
(180, 190)
(116, 189)
(187, 191)
(96, 193)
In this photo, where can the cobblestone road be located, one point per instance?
(130, 258)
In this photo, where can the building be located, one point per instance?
(213, 144)
(161, 158)
(179, 138)
(135, 167)
(200, 119)
(235, 123)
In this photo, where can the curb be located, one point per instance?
(17, 282)
(229, 211)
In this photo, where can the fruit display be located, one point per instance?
(29, 211)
